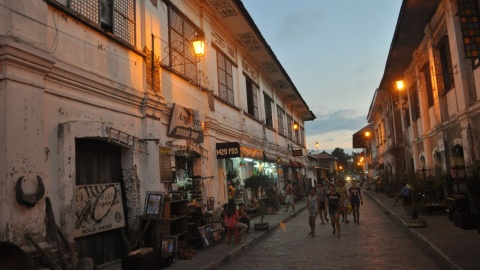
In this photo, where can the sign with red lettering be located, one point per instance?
(98, 208)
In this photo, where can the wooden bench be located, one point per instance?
(434, 209)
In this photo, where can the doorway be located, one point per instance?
(99, 162)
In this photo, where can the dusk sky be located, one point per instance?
(335, 53)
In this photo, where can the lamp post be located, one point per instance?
(316, 146)
(367, 135)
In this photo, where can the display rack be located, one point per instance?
(154, 228)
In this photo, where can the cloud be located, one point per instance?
(336, 121)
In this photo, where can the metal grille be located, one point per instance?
(124, 20)
(123, 17)
(255, 100)
(268, 111)
(225, 78)
(88, 8)
(182, 55)
(289, 127)
(281, 119)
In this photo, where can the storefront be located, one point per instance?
(240, 162)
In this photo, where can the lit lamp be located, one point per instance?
(199, 45)
(400, 85)
(295, 126)
(316, 146)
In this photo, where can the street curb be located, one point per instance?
(244, 246)
(420, 238)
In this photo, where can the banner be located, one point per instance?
(228, 150)
(98, 208)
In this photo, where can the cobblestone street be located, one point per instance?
(377, 243)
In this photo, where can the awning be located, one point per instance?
(294, 164)
(184, 147)
(269, 157)
(380, 166)
(300, 164)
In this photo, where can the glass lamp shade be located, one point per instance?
(198, 46)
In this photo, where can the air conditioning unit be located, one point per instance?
(106, 14)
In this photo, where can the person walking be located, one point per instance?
(333, 203)
(232, 217)
(289, 196)
(321, 194)
(403, 194)
(312, 206)
(355, 199)
(342, 190)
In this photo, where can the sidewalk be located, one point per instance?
(216, 256)
(457, 248)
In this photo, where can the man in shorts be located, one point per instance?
(355, 198)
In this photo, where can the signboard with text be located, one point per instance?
(297, 152)
(98, 208)
(186, 124)
(228, 150)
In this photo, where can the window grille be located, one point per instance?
(281, 121)
(123, 16)
(182, 55)
(268, 111)
(225, 78)
(428, 84)
(289, 127)
(252, 98)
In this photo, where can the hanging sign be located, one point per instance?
(98, 208)
(297, 152)
(186, 124)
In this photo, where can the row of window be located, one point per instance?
(118, 17)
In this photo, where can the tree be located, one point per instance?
(341, 156)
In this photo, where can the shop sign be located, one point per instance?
(297, 152)
(98, 208)
(228, 150)
(252, 153)
(186, 124)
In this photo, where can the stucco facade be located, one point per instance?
(69, 77)
(434, 120)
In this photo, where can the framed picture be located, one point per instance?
(203, 235)
(217, 235)
(154, 204)
(209, 233)
(169, 246)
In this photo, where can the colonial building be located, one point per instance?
(106, 100)
(430, 121)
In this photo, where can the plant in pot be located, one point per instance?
(413, 210)
(257, 183)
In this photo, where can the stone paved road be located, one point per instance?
(377, 243)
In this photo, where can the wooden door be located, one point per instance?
(99, 162)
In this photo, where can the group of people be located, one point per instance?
(335, 201)
(320, 202)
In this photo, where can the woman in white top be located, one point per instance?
(312, 206)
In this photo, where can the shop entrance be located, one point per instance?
(99, 162)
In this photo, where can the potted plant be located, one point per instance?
(413, 210)
(258, 183)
